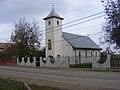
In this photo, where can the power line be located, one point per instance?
(71, 22)
(75, 24)
(83, 18)
(81, 11)
(72, 10)
(75, 21)
(94, 33)
(91, 26)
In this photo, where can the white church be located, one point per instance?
(62, 44)
(65, 49)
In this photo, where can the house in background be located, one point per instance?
(4, 46)
(64, 44)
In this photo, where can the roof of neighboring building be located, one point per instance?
(4, 45)
(52, 14)
(80, 42)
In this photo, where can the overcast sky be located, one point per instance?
(12, 10)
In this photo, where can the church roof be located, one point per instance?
(52, 14)
(80, 42)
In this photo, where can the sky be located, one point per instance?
(12, 10)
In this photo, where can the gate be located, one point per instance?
(37, 62)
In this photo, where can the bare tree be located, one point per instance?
(26, 38)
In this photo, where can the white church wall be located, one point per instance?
(72, 60)
(106, 64)
(60, 47)
(22, 63)
(49, 34)
(33, 63)
(67, 49)
(98, 54)
(59, 62)
(57, 37)
(89, 57)
(28, 63)
(18, 62)
(54, 34)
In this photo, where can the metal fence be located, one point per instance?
(115, 61)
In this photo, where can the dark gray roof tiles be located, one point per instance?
(52, 14)
(80, 42)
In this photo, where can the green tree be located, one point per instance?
(112, 26)
(26, 38)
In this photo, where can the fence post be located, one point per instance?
(26, 86)
(23, 62)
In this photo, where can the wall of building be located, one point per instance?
(106, 64)
(67, 49)
(49, 34)
(45, 62)
(60, 62)
(86, 55)
(80, 54)
(54, 33)
(57, 37)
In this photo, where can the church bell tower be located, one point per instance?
(53, 34)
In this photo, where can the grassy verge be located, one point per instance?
(10, 85)
(6, 84)
(36, 87)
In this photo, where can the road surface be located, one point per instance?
(64, 77)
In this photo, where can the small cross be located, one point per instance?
(53, 6)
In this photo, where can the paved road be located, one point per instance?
(90, 78)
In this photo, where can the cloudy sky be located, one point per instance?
(70, 10)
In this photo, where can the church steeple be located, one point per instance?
(53, 33)
(52, 14)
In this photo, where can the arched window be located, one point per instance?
(49, 22)
(86, 54)
(96, 54)
(79, 55)
(57, 22)
(91, 54)
(49, 45)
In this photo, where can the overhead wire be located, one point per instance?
(74, 22)
(67, 22)
(74, 25)
(73, 11)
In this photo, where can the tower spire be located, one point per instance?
(52, 14)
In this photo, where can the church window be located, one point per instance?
(49, 22)
(58, 56)
(49, 45)
(57, 22)
(91, 54)
(79, 55)
(96, 54)
(86, 54)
